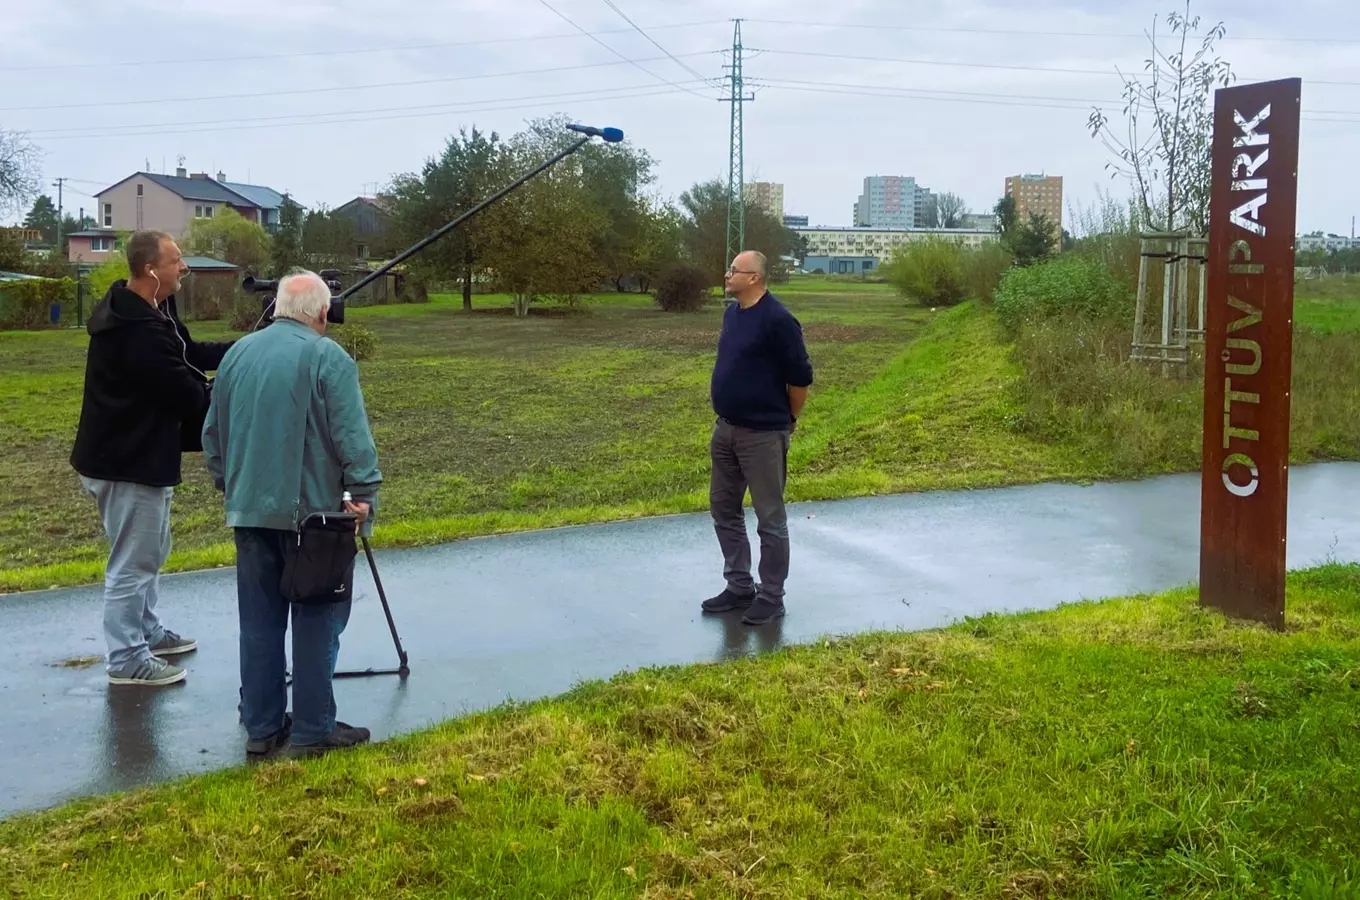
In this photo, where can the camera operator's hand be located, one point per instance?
(360, 509)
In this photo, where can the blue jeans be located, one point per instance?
(264, 622)
(136, 519)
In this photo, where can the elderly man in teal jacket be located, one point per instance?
(286, 436)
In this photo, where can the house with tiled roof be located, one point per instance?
(171, 203)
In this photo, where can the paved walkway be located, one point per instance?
(530, 615)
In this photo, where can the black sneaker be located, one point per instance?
(763, 611)
(727, 601)
(343, 737)
(268, 745)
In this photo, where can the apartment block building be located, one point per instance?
(767, 195)
(1038, 194)
(893, 201)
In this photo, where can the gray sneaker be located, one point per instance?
(151, 672)
(173, 645)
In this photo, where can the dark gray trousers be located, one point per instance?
(742, 458)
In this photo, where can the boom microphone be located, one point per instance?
(610, 135)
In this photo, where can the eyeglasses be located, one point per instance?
(732, 271)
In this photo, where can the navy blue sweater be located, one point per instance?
(760, 353)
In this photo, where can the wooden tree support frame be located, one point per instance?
(1183, 258)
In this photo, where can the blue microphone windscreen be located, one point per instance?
(612, 135)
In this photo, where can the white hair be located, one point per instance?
(303, 296)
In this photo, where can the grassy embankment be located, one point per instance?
(486, 423)
(1134, 748)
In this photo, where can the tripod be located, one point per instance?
(404, 669)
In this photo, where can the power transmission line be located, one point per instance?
(614, 6)
(554, 10)
(303, 118)
(872, 26)
(909, 93)
(203, 60)
(889, 92)
(932, 94)
(648, 92)
(978, 65)
(336, 88)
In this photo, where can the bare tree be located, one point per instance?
(951, 210)
(1169, 167)
(19, 171)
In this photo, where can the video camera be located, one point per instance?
(270, 288)
(336, 313)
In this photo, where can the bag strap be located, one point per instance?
(306, 378)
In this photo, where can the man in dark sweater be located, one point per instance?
(146, 396)
(760, 383)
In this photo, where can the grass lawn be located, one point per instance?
(1328, 305)
(1135, 748)
(485, 422)
(488, 423)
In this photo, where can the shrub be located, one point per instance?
(929, 272)
(245, 311)
(1067, 285)
(983, 268)
(113, 268)
(682, 288)
(359, 342)
(1079, 387)
(27, 304)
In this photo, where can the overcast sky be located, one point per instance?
(106, 89)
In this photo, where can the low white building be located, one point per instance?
(1307, 243)
(879, 243)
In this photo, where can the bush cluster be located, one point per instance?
(1069, 284)
(941, 272)
(682, 288)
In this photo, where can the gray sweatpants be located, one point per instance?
(137, 521)
(742, 458)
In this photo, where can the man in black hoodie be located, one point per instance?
(146, 396)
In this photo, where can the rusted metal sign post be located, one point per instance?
(1248, 349)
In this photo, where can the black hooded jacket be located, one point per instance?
(146, 391)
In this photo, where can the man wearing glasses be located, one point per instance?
(760, 383)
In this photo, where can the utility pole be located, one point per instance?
(59, 183)
(736, 169)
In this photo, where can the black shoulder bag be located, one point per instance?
(318, 560)
(318, 565)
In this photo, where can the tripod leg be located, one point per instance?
(387, 610)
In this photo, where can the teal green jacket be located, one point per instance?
(286, 433)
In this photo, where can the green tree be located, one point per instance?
(1027, 241)
(285, 250)
(13, 255)
(471, 167)
(1006, 217)
(660, 247)
(614, 176)
(541, 237)
(705, 231)
(231, 237)
(327, 240)
(1168, 128)
(1035, 240)
(43, 216)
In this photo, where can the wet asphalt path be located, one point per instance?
(530, 615)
